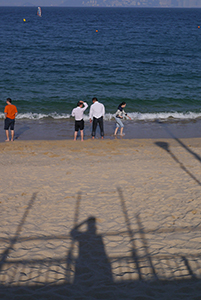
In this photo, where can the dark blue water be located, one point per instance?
(150, 58)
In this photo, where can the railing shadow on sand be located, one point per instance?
(86, 271)
(181, 143)
(166, 147)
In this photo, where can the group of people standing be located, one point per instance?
(96, 114)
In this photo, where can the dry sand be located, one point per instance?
(144, 241)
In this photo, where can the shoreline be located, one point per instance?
(64, 130)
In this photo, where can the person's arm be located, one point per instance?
(5, 112)
(16, 112)
(73, 113)
(85, 106)
(103, 110)
(75, 233)
(126, 115)
(91, 114)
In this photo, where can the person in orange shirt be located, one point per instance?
(10, 114)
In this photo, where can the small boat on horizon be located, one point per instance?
(39, 13)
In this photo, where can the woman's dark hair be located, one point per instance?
(122, 103)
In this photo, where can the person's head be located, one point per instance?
(8, 100)
(122, 104)
(94, 99)
(80, 104)
(91, 222)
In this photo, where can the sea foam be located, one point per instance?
(135, 116)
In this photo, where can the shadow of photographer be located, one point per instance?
(92, 267)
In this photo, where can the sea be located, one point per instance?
(148, 57)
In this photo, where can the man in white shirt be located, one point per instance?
(96, 114)
(79, 122)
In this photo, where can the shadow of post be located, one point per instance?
(188, 267)
(165, 146)
(145, 246)
(132, 239)
(17, 233)
(196, 156)
(70, 252)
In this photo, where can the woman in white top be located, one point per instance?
(120, 113)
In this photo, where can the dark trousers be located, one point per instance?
(94, 126)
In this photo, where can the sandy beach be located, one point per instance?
(111, 219)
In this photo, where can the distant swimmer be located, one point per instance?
(78, 113)
(120, 113)
(10, 114)
(96, 114)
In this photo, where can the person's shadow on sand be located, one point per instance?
(20, 131)
(92, 267)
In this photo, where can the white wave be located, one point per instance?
(1, 115)
(135, 116)
(164, 116)
(36, 116)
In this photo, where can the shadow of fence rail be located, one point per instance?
(53, 277)
(85, 264)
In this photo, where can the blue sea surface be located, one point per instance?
(148, 57)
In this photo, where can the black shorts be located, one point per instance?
(9, 123)
(79, 125)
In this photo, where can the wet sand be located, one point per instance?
(49, 129)
(111, 219)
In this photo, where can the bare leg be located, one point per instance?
(82, 135)
(12, 135)
(121, 131)
(116, 129)
(7, 136)
(75, 135)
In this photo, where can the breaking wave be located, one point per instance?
(135, 116)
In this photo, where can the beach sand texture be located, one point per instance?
(112, 219)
